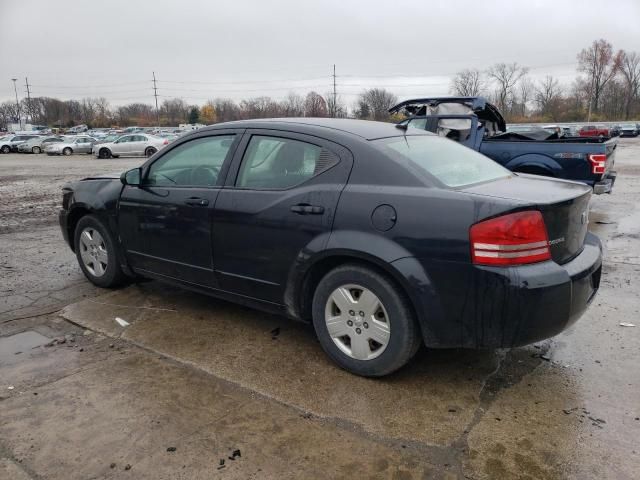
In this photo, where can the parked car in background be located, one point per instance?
(629, 130)
(594, 131)
(38, 144)
(135, 145)
(477, 124)
(77, 129)
(614, 131)
(79, 144)
(10, 142)
(383, 237)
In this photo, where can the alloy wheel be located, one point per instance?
(357, 322)
(93, 252)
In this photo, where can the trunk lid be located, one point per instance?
(564, 206)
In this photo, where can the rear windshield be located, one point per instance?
(452, 164)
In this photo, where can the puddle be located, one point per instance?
(12, 348)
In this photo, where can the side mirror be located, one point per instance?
(132, 177)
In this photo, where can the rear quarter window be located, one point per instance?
(450, 163)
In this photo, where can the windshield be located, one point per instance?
(452, 164)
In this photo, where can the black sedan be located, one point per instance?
(385, 238)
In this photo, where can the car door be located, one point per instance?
(119, 146)
(137, 145)
(165, 223)
(279, 199)
(81, 145)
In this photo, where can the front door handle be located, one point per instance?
(306, 209)
(197, 201)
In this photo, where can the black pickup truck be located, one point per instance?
(477, 124)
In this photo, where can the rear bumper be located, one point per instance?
(496, 307)
(606, 184)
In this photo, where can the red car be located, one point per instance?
(594, 131)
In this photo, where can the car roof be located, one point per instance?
(365, 129)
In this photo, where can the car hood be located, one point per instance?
(477, 105)
(104, 176)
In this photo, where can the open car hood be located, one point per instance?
(477, 105)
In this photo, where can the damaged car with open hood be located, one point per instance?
(477, 124)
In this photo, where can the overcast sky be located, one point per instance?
(242, 48)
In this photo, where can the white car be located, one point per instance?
(135, 145)
(79, 144)
(10, 143)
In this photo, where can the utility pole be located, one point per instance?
(155, 94)
(30, 111)
(15, 89)
(333, 113)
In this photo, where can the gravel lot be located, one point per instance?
(192, 380)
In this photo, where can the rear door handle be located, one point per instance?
(197, 202)
(306, 209)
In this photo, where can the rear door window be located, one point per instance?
(450, 163)
(274, 163)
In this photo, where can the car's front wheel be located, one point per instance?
(5, 149)
(96, 253)
(36, 150)
(67, 151)
(364, 321)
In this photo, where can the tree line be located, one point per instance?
(607, 87)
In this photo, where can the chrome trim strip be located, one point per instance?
(522, 246)
(526, 253)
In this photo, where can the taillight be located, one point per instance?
(598, 162)
(166, 142)
(512, 239)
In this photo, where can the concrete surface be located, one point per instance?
(207, 377)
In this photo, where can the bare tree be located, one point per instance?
(315, 105)
(293, 105)
(600, 66)
(547, 96)
(468, 83)
(506, 76)
(526, 90)
(339, 110)
(378, 101)
(630, 70)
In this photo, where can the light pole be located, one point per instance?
(15, 89)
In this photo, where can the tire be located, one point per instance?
(67, 151)
(150, 151)
(104, 153)
(391, 319)
(5, 149)
(36, 150)
(96, 253)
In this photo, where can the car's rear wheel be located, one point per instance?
(5, 149)
(364, 321)
(36, 150)
(150, 151)
(96, 253)
(104, 153)
(67, 151)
